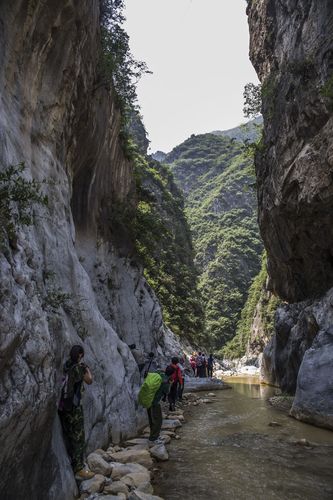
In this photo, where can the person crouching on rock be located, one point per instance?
(155, 411)
(177, 382)
(71, 411)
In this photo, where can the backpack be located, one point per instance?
(70, 392)
(150, 386)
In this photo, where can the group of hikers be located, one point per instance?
(156, 385)
(202, 366)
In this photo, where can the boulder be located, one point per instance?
(98, 465)
(146, 488)
(102, 453)
(176, 417)
(116, 487)
(135, 441)
(166, 432)
(119, 470)
(171, 424)
(141, 457)
(159, 452)
(93, 485)
(166, 438)
(136, 479)
(140, 495)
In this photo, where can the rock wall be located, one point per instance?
(292, 52)
(291, 49)
(68, 278)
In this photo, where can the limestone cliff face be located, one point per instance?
(292, 51)
(66, 279)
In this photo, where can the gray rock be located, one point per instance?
(119, 470)
(136, 479)
(98, 465)
(159, 452)
(171, 424)
(131, 455)
(313, 401)
(116, 487)
(93, 485)
(139, 495)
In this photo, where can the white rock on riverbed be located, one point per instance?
(141, 457)
(119, 470)
(93, 485)
(116, 487)
(98, 465)
(171, 424)
(139, 495)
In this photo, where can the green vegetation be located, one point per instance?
(217, 179)
(17, 199)
(162, 242)
(259, 301)
(117, 65)
(327, 91)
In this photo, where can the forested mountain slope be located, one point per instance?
(218, 182)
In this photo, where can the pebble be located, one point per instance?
(274, 424)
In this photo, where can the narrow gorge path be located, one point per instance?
(229, 450)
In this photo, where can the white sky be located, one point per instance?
(198, 52)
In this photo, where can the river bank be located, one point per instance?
(242, 447)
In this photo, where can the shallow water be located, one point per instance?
(228, 451)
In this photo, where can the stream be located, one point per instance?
(228, 451)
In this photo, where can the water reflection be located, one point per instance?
(229, 451)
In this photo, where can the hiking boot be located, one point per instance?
(156, 442)
(84, 474)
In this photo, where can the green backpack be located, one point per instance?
(149, 388)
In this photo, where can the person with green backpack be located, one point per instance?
(155, 387)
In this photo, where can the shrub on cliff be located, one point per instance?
(259, 302)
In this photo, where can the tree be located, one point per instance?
(118, 64)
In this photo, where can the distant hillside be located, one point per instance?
(218, 182)
(250, 131)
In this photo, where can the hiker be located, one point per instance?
(181, 365)
(177, 380)
(204, 365)
(138, 356)
(210, 365)
(198, 362)
(193, 364)
(155, 412)
(71, 411)
(150, 364)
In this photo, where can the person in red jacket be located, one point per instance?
(177, 381)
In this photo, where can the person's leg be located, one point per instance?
(156, 416)
(77, 437)
(150, 418)
(173, 396)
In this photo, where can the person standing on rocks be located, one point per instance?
(210, 365)
(138, 356)
(71, 412)
(177, 381)
(181, 365)
(155, 411)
